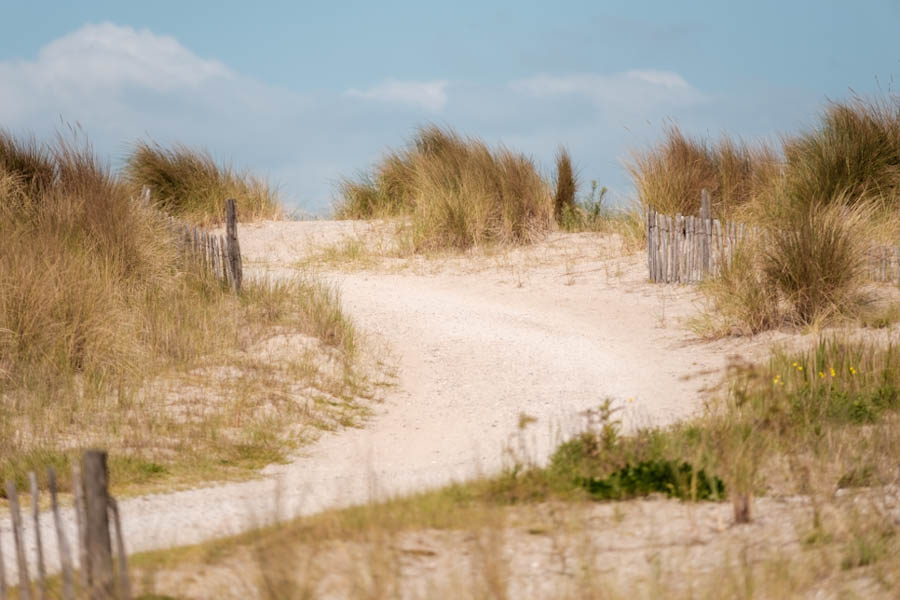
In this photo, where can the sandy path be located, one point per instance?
(475, 346)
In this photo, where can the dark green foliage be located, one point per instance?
(656, 476)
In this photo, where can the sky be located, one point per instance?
(305, 93)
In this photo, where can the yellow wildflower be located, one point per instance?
(832, 371)
(821, 375)
(852, 371)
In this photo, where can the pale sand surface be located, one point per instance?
(475, 341)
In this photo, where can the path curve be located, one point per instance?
(474, 349)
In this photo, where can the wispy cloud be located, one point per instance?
(635, 88)
(431, 95)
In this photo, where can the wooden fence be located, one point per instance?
(100, 576)
(686, 249)
(219, 254)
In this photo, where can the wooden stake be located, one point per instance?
(122, 556)
(80, 517)
(39, 545)
(234, 248)
(95, 479)
(65, 555)
(18, 538)
(2, 572)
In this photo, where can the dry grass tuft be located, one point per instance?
(853, 153)
(190, 185)
(670, 176)
(458, 192)
(565, 184)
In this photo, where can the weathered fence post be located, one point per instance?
(234, 249)
(65, 556)
(19, 540)
(2, 572)
(121, 554)
(95, 479)
(705, 218)
(39, 546)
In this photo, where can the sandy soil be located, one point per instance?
(475, 342)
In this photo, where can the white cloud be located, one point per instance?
(111, 57)
(431, 95)
(631, 89)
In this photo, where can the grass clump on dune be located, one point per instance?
(189, 184)
(457, 191)
(854, 152)
(830, 193)
(100, 315)
(670, 175)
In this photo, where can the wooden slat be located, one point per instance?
(78, 493)
(65, 555)
(19, 540)
(39, 544)
(2, 572)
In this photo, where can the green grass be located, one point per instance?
(189, 184)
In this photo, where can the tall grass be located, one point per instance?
(833, 190)
(98, 310)
(189, 184)
(853, 152)
(457, 191)
(565, 184)
(669, 176)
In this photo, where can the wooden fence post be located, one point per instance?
(234, 248)
(2, 572)
(19, 539)
(39, 546)
(101, 575)
(65, 556)
(705, 217)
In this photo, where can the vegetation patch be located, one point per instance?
(458, 193)
(189, 184)
(109, 338)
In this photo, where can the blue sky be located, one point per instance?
(305, 92)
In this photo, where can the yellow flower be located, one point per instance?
(821, 375)
(832, 371)
(852, 371)
(795, 364)
(799, 368)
